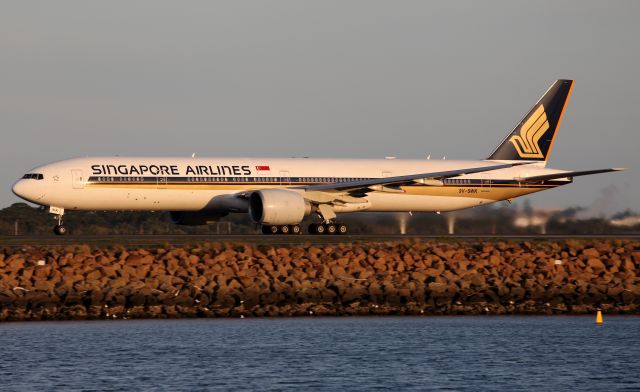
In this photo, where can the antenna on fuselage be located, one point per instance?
(193, 155)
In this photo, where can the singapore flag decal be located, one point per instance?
(263, 168)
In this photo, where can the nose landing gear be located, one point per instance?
(60, 228)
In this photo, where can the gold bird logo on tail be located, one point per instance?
(526, 143)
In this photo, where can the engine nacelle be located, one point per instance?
(278, 207)
(195, 218)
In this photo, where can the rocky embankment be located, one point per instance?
(233, 280)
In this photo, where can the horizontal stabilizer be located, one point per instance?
(567, 175)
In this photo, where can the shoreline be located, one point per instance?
(398, 277)
(590, 316)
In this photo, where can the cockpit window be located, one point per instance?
(33, 176)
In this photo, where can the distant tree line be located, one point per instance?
(23, 219)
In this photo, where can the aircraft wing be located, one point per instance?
(566, 175)
(364, 186)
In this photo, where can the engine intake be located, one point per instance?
(278, 207)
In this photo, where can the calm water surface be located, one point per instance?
(349, 354)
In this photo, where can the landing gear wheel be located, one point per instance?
(60, 230)
(342, 228)
(296, 229)
(284, 229)
(331, 228)
(321, 229)
(268, 229)
(313, 228)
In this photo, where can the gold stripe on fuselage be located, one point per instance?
(494, 192)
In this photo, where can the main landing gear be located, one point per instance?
(281, 229)
(328, 228)
(314, 228)
(328, 225)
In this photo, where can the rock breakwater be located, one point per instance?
(401, 277)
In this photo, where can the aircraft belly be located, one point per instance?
(431, 198)
(404, 202)
(137, 199)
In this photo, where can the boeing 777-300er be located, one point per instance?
(279, 193)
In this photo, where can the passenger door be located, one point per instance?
(162, 182)
(284, 177)
(77, 179)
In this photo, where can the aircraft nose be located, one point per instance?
(19, 188)
(27, 189)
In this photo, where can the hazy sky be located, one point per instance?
(323, 78)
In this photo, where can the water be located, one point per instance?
(349, 354)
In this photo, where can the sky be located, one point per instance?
(323, 79)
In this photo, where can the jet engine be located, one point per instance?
(195, 218)
(278, 207)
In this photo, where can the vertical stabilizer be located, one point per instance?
(532, 139)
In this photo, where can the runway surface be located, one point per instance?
(162, 240)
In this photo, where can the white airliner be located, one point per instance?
(280, 193)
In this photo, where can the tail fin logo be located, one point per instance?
(526, 144)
